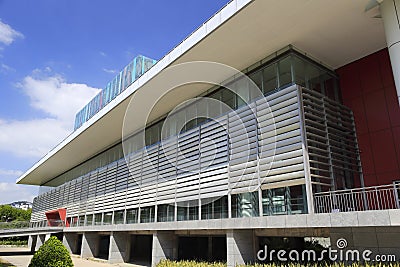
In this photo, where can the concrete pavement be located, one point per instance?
(21, 257)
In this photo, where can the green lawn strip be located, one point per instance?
(3, 263)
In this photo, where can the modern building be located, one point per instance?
(24, 205)
(305, 144)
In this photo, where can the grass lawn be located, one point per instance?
(5, 264)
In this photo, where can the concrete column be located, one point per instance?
(239, 247)
(119, 247)
(70, 241)
(40, 241)
(47, 237)
(164, 247)
(90, 245)
(32, 242)
(390, 11)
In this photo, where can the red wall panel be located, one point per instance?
(368, 89)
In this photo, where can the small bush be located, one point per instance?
(52, 254)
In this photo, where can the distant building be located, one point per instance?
(24, 205)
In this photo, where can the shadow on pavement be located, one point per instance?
(15, 253)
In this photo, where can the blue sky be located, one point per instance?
(54, 57)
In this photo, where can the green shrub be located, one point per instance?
(52, 254)
(14, 241)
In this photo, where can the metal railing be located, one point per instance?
(14, 225)
(55, 223)
(358, 199)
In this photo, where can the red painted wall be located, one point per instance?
(368, 89)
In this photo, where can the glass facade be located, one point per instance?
(285, 200)
(215, 209)
(188, 211)
(165, 213)
(147, 214)
(98, 219)
(107, 220)
(124, 78)
(89, 220)
(119, 217)
(245, 205)
(132, 216)
(81, 221)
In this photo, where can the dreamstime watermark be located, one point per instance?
(341, 254)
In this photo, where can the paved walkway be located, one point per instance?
(21, 257)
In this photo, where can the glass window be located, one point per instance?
(89, 219)
(257, 78)
(107, 218)
(202, 110)
(147, 214)
(285, 200)
(285, 72)
(215, 209)
(241, 88)
(191, 114)
(119, 217)
(228, 97)
(245, 205)
(180, 121)
(74, 221)
(214, 107)
(188, 213)
(81, 220)
(132, 216)
(299, 68)
(165, 213)
(98, 218)
(269, 78)
(331, 87)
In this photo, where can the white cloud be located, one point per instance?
(59, 100)
(102, 54)
(109, 71)
(32, 138)
(15, 173)
(5, 68)
(8, 193)
(56, 97)
(8, 34)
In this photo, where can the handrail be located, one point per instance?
(380, 197)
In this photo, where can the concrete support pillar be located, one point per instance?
(70, 241)
(164, 247)
(239, 247)
(32, 242)
(90, 245)
(119, 247)
(390, 12)
(40, 241)
(47, 237)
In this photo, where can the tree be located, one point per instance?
(52, 254)
(8, 213)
